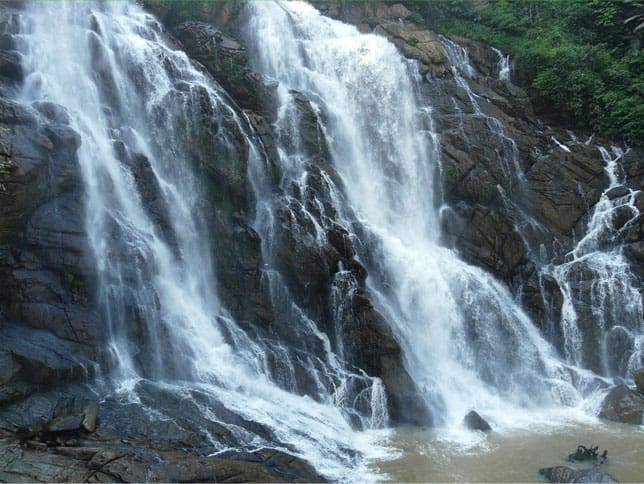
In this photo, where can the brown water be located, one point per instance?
(510, 456)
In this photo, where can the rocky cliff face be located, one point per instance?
(516, 197)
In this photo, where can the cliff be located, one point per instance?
(516, 197)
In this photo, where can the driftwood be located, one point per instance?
(586, 453)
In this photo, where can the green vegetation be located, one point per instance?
(580, 60)
(74, 280)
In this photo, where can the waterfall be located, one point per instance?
(602, 315)
(503, 65)
(467, 344)
(150, 122)
(139, 107)
(508, 154)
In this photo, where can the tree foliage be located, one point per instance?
(580, 60)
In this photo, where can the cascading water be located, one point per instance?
(602, 315)
(503, 65)
(139, 106)
(466, 342)
(508, 154)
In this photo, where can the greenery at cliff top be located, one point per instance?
(580, 60)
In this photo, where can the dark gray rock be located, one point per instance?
(474, 421)
(72, 407)
(568, 474)
(227, 61)
(40, 359)
(372, 347)
(64, 423)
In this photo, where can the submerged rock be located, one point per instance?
(474, 421)
(584, 453)
(623, 405)
(568, 474)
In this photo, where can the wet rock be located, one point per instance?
(474, 421)
(309, 128)
(623, 405)
(87, 409)
(558, 474)
(360, 13)
(65, 423)
(568, 474)
(572, 180)
(482, 57)
(11, 66)
(638, 376)
(416, 43)
(617, 192)
(289, 467)
(227, 61)
(103, 457)
(594, 475)
(372, 347)
(211, 470)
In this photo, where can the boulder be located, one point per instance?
(568, 474)
(558, 473)
(623, 405)
(474, 421)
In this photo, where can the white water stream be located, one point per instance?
(137, 105)
(467, 344)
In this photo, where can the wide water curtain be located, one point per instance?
(136, 104)
(467, 344)
(150, 123)
(352, 313)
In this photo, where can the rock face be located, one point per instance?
(308, 269)
(104, 457)
(517, 194)
(623, 405)
(61, 438)
(638, 376)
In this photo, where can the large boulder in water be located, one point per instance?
(568, 474)
(623, 405)
(474, 421)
